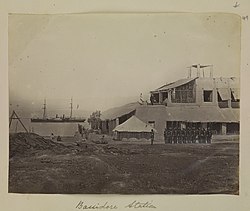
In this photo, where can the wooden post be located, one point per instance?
(15, 116)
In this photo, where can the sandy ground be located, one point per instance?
(123, 168)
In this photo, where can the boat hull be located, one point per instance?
(57, 120)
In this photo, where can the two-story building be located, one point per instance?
(200, 101)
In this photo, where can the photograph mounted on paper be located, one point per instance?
(124, 103)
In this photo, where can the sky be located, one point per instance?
(107, 60)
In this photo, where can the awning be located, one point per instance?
(224, 94)
(236, 93)
(175, 84)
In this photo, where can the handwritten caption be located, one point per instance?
(81, 205)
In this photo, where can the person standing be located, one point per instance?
(169, 134)
(203, 134)
(165, 136)
(80, 129)
(209, 135)
(52, 137)
(59, 138)
(184, 136)
(178, 135)
(174, 135)
(189, 135)
(152, 136)
(152, 99)
(206, 135)
(198, 135)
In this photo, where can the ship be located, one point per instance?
(57, 119)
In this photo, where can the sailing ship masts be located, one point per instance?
(71, 108)
(44, 109)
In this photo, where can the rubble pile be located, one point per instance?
(23, 143)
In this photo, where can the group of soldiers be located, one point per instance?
(187, 135)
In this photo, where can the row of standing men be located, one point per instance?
(187, 135)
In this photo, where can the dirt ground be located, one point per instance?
(38, 165)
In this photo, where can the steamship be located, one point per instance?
(57, 119)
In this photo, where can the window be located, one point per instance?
(184, 93)
(208, 95)
(152, 123)
(164, 96)
(156, 98)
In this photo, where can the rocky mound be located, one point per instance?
(23, 143)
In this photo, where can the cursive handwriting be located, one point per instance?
(106, 205)
(136, 204)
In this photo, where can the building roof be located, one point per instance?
(116, 112)
(231, 82)
(175, 84)
(188, 113)
(133, 124)
(219, 83)
(222, 85)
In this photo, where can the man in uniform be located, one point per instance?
(178, 134)
(189, 135)
(170, 135)
(174, 135)
(184, 136)
(209, 135)
(203, 135)
(200, 136)
(181, 136)
(206, 136)
(152, 136)
(165, 136)
(197, 135)
(152, 99)
(193, 136)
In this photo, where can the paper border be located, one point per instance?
(163, 202)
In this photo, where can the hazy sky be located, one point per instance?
(105, 60)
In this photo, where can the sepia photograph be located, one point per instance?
(124, 103)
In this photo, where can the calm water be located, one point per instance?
(45, 129)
